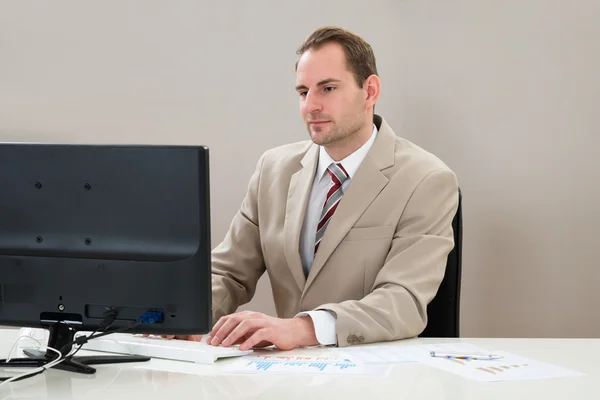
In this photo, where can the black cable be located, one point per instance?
(84, 339)
(80, 346)
(106, 323)
(104, 326)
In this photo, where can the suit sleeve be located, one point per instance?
(237, 262)
(396, 307)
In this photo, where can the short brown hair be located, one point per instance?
(359, 54)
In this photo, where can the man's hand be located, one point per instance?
(253, 329)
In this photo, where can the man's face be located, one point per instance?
(331, 103)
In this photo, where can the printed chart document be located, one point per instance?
(375, 354)
(509, 367)
(298, 364)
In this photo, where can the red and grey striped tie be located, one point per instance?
(334, 195)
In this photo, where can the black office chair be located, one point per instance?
(443, 313)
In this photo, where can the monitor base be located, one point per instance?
(61, 338)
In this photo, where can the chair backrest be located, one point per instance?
(443, 313)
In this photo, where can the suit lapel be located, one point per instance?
(365, 186)
(297, 201)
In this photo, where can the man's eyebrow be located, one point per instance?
(321, 83)
(329, 80)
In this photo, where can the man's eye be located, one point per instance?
(329, 88)
(302, 94)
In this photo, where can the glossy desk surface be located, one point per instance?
(162, 379)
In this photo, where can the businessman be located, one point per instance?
(352, 226)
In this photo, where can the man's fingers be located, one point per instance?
(223, 332)
(226, 324)
(257, 339)
(219, 324)
(216, 328)
(244, 328)
(261, 344)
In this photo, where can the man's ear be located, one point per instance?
(372, 88)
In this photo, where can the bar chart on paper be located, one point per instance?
(297, 364)
(494, 369)
(491, 369)
(510, 367)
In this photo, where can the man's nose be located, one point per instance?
(313, 104)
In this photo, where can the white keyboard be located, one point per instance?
(157, 347)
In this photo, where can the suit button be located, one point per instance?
(361, 339)
(351, 339)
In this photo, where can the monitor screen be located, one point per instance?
(86, 229)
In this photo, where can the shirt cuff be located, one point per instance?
(324, 323)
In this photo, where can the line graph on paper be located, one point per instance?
(299, 364)
(296, 364)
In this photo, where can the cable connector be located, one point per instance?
(109, 318)
(79, 341)
(151, 317)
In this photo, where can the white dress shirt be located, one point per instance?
(324, 321)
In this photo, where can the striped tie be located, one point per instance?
(334, 195)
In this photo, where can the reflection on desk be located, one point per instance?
(160, 379)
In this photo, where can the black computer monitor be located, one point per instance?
(88, 231)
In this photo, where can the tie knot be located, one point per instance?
(338, 173)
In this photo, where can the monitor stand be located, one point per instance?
(62, 335)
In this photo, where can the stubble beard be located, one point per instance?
(337, 133)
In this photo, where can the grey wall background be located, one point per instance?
(506, 92)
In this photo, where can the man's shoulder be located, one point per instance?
(408, 157)
(416, 169)
(410, 154)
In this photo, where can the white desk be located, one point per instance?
(161, 379)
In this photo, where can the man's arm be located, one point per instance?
(237, 262)
(324, 325)
(396, 307)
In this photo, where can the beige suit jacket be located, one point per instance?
(381, 259)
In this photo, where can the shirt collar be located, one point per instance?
(350, 163)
